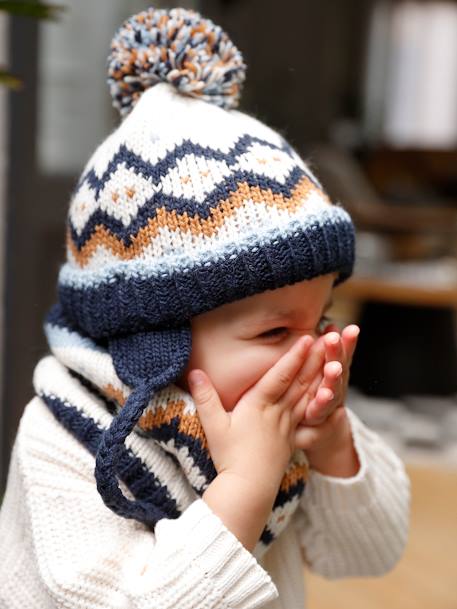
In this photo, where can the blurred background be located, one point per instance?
(366, 91)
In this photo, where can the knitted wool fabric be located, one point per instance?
(81, 374)
(189, 204)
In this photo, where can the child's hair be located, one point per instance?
(187, 205)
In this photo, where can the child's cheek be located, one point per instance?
(241, 371)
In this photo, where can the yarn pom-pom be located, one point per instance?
(177, 46)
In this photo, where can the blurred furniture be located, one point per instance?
(404, 289)
(384, 290)
(415, 229)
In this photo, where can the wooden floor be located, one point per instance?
(426, 576)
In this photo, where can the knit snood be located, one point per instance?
(80, 373)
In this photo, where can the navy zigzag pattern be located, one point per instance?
(161, 168)
(159, 200)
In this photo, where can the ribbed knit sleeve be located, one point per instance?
(87, 557)
(357, 526)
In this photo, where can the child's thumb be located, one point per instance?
(210, 410)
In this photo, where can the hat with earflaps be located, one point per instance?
(187, 205)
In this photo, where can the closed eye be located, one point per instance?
(273, 332)
(279, 331)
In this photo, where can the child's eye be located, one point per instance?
(273, 332)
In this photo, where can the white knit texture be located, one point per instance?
(189, 153)
(60, 547)
(358, 526)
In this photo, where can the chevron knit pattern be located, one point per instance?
(79, 384)
(189, 204)
(159, 232)
(171, 219)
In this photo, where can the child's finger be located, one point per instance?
(333, 347)
(308, 437)
(332, 375)
(326, 377)
(211, 412)
(332, 384)
(319, 404)
(349, 337)
(276, 381)
(307, 374)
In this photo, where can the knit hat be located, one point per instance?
(189, 204)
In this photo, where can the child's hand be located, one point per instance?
(255, 440)
(339, 351)
(324, 429)
(252, 444)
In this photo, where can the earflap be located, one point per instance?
(147, 362)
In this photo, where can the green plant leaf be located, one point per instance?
(28, 8)
(9, 80)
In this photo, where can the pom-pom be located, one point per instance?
(177, 46)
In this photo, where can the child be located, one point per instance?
(200, 247)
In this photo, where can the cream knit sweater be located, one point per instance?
(60, 547)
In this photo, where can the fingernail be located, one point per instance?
(355, 329)
(195, 378)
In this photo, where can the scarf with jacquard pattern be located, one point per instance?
(80, 386)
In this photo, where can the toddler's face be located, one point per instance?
(236, 343)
